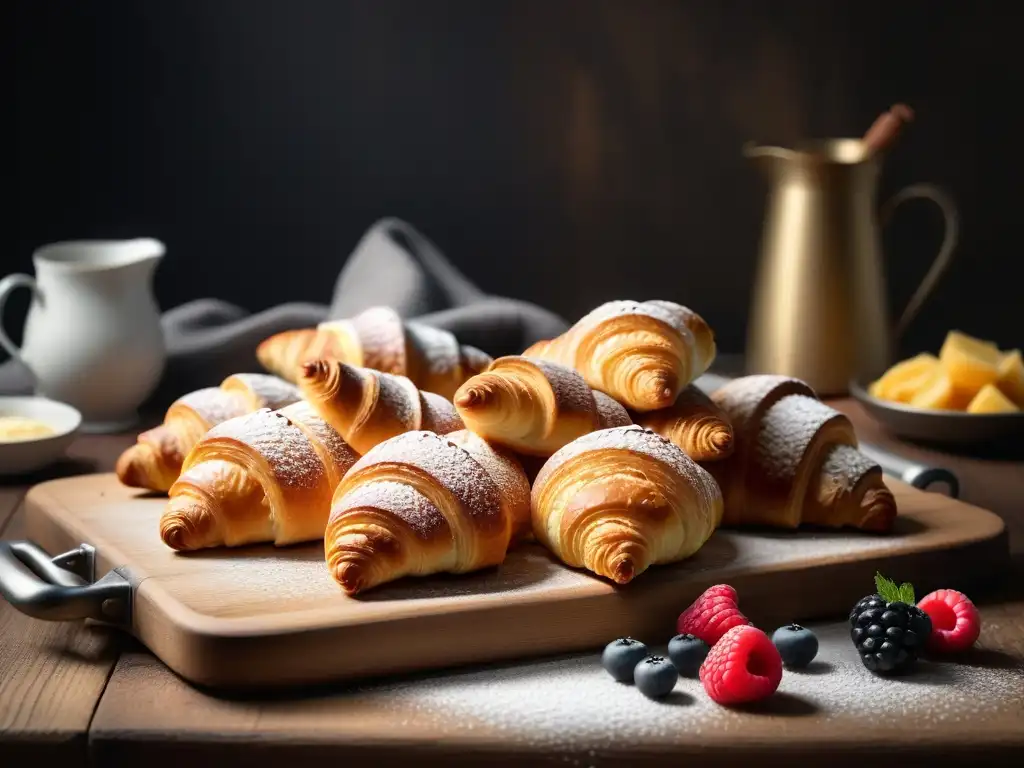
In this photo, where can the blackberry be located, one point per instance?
(887, 629)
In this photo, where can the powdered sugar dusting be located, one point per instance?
(787, 429)
(570, 705)
(452, 467)
(504, 469)
(262, 390)
(610, 412)
(284, 446)
(571, 391)
(382, 335)
(399, 499)
(400, 397)
(744, 397)
(845, 466)
(439, 415)
(212, 404)
(629, 438)
(473, 360)
(437, 349)
(333, 444)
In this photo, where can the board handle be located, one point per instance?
(62, 588)
(920, 476)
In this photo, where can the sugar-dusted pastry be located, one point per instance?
(620, 500)
(367, 407)
(695, 423)
(266, 477)
(378, 338)
(533, 406)
(421, 504)
(641, 353)
(154, 462)
(796, 461)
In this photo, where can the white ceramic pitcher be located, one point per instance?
(92, 335)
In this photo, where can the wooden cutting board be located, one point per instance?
(262, 616)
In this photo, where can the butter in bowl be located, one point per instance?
(972, 393)
(34, 433)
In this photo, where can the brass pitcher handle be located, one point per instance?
(945, 255)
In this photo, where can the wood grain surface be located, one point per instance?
(265, 616)
(567, 711)
(51, 675)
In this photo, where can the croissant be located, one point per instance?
(154, 462)
(421, 504)
(619, 500)
(377, 338)
(263, 477)
(534, 407)
(695, 423)
(367, 407)
(640, 353)
(796, 461)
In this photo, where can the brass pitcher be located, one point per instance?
(819, 305)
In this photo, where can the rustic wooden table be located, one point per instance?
(90, 697)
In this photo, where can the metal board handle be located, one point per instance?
(61, 588)
(920, 476)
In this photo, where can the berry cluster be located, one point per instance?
(735, 661)
(890, 630)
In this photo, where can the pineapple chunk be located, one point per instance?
(971, 363)
(1011, 377)
(905, 379)
(939, 393)
(990, 400)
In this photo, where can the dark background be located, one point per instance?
(562, 152)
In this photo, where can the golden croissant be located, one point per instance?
(796, 461)
(154, 462)
(377, 338)
(533, 406)
(421, 504)
(367, 407)
(695, 423)
(641, 353)
(620, 500)
(263, 477)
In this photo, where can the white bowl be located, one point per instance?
(18, 457)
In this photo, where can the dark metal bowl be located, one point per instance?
(948, 428)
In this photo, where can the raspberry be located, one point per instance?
(956, 622)
(743, 666)
(712, 615)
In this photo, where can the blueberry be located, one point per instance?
(621, 656)
(655, 677)
(798, 646)
(687, 653)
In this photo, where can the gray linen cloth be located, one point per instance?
(392, 265)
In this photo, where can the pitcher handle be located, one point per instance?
(7, 286)
(945, 255)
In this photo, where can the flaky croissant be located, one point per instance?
(267, 476)
(695, 423)
(421, 504)
(154, 462)
(796, 461)
(533, 406)
(378, 338)
(619, 500)
(640, 353)
(367, 407)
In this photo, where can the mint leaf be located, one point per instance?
(887, 589)
(907, 593)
